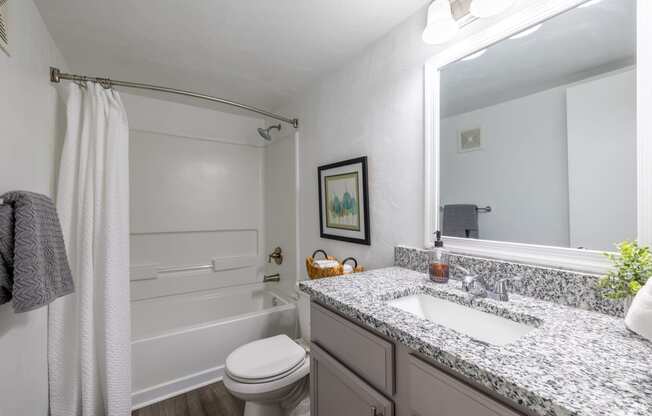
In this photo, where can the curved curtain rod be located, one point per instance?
(56, 76)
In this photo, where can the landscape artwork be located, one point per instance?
(343, 201)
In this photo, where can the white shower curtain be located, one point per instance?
(89, 351)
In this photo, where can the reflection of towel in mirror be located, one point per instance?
(461, 220)
(639, 317)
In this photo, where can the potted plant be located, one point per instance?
(632, 269)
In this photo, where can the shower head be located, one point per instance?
(265, 133)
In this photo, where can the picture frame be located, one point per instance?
(344, 201)
(470, 140)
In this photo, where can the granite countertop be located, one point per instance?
(576, 362)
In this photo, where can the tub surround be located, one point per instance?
(576, 362)
(564, 287)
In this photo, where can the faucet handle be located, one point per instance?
(502, 286)
(469, 282)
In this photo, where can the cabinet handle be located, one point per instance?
(374, 412)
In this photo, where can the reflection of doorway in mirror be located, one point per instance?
(470, 140)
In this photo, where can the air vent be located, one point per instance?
(4, 30)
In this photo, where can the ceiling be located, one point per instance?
(580, 43)
(256, 52)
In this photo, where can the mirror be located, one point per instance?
(538, 133)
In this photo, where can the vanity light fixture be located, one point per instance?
(475, 55)
(590, 3)
(441, 26)
(527, 32)
(488, 8)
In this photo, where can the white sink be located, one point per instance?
(482, 326)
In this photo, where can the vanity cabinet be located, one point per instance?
(336, 391)
(365, 353)
(358, 372)
(432, 392)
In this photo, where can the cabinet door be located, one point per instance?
(435, 393)
(336, 391)
(366, 354)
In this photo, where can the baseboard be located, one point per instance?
(154, 394)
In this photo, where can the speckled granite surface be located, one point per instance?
(576, 362)
(579, 290)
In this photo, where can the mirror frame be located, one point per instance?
(560, 257)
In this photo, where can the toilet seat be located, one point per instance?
(265, 360)
(264, 380)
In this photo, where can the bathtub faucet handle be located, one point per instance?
(277, 255)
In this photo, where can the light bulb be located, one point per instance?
(488, 8)
(440, 27)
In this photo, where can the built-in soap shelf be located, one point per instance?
(153, 271)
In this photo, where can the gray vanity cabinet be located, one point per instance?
(432, 392)
(336, 391)
(356, 372)
(366, 354)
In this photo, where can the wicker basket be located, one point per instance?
(315, 272)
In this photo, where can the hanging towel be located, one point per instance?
(461, 220)
(34, 268)
(639, 317)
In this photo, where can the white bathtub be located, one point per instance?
(181, 342)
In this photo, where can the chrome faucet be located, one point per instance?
(501, 289)
(478, 287)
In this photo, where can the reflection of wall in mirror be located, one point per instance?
(602, 188)
(523, 173)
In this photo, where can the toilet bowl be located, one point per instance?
(270, 375)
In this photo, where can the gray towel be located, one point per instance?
(34, 268)
(461, 221)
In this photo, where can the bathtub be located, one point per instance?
(181, 342)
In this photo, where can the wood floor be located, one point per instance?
(212, 400)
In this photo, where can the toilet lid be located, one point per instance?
(265, 358)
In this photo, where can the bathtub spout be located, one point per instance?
(276, 277)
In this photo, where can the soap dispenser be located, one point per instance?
(438, 261)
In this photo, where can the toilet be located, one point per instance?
(271, 374)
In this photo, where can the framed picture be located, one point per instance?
(344, 201)
(470, 140)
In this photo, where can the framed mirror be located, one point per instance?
(533, 146)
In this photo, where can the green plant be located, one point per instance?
(632, 268)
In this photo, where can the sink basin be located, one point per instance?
(479, 325)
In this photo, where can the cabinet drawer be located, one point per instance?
(365, 353)
(433, 392)
(336, 391)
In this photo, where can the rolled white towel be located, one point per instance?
(639, 317)
(326, 264)
(348, 269)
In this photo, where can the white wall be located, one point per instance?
(372, 106)
(521, 172)
(31, 135)
(602, 188)
(197, 194)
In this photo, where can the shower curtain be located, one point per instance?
(89, 363)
